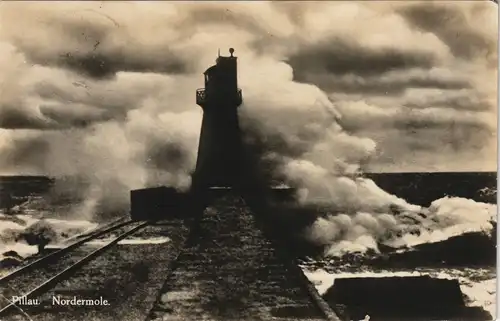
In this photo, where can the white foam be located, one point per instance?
(154, 240)
(22, 249)
(19, 223)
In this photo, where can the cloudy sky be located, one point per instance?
(100, 88)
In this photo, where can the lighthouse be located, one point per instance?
(219, 161)
(223, 162)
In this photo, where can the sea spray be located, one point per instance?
(15, 237)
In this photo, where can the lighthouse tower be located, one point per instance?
(220, 147)
(223, 162)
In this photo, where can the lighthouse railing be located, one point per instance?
(201, 97)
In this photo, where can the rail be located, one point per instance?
(60, 252)
(66, 272)
(201, 97)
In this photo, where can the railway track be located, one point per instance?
(128, 277)
(22, 285)
(74, 242)
(217, 266)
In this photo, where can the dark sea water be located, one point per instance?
(416, 188)
(423, 188)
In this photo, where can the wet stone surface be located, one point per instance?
(229, 271)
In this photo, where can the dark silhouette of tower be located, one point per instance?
(223, 161)
(219, 162)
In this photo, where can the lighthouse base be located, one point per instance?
(159, 203)
(150, 204)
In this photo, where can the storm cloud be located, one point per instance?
(106, 89)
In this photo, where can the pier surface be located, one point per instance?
(230, 271)
(218, 266)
